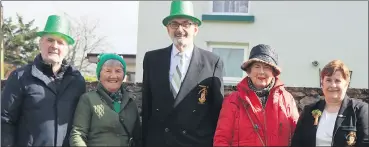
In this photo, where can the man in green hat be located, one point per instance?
(39, 99)
(182, 86)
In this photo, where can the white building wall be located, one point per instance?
(301, 32)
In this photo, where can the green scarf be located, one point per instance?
(117, 98)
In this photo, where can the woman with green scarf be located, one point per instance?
(107, 116)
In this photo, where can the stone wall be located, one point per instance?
(303, 95)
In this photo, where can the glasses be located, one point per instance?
(175, 25)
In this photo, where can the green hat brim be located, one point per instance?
(67, 38)
(168, 18)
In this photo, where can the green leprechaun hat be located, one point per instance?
(59, 26)
(182, 9)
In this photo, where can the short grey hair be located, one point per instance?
(113, 62)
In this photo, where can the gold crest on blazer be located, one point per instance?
(203, 91)
(351, 138)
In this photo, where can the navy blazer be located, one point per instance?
(352, 116)
(184, 120)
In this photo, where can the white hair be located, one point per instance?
(112, 62)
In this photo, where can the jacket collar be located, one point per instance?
(46, 68)
(43, 72)
(342, 113)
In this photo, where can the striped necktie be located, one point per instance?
(177, 76)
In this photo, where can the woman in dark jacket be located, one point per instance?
(107, 116)
(337, 120)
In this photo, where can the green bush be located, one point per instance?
(90, 78)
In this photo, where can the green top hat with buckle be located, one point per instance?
(181, 9)
(57, 25)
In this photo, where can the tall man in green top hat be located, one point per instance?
(39, 99)
(182, 86)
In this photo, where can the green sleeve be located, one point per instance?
(81, 122)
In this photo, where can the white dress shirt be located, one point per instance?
(174, 60)
(324, 134)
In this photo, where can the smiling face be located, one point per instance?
(182, 31)
(334, 87)
(335, 81)
(53, 48)
(112, 75)
(261, 74)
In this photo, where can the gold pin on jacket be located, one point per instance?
(203, 91)
(351, 138)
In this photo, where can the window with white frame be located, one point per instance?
(233, 56)
(231, 6)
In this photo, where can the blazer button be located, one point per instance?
(157, 109)
(194, 111)
(184, 132)
(166, 130)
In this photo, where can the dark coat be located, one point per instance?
(37, 108)
(97, 124)
(353, 115)
(184, 120)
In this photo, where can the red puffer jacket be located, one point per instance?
(272, 126)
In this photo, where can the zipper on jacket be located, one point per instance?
(265, 128)
(56, 119)
(265, 121)
(56, 122)
(280, 128)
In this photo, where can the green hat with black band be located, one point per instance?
(181, 9)
(59, 26)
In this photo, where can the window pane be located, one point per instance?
(243, 6)
(232, 58)
(218, 6)
(231, 6)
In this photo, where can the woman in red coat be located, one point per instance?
(261, 112)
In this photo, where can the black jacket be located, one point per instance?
(352, 116)
(185, 120)
(37, 108)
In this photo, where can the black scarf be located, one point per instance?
(261, 93)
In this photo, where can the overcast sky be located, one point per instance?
(117, 19)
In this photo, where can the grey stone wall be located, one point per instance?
(303, 95)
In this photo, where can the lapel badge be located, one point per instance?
(351, 138)
(99, 110)
(203, 91)
(316, 114)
